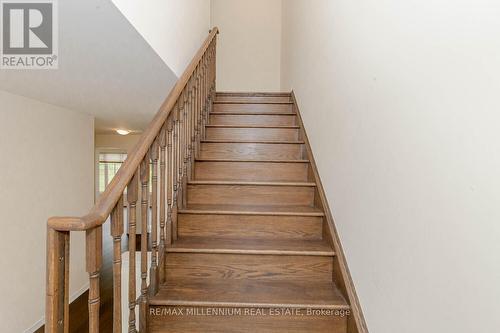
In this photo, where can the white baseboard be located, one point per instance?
(36, 325)
(72, 298)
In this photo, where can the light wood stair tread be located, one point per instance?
(254, 141)
(253, 98)
(251, 246)
(254, 126)
(250, 293)
(259, 113)
(252, 210)
(243, 183)
(250, 101)
(248, 160)
(253, 93)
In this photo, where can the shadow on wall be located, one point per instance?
(106, 69)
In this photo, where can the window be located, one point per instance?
(109, 163)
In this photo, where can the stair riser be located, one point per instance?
(257, 134)
(181, 319)
(248, 266)
(248, 226)
(250, 195)
(251, 171)
(255, 120)
(252, 151)
(253, 108)
(252, 98)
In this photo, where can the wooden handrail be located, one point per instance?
(169, 145)
(108, 199)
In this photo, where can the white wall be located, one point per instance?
(175, 29)
(401, 102)
(105, 143)
(249, 45)
(46, 170)
(106, 68)
(116, 142)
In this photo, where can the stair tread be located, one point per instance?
(243, 113)
(251, 246)
(253, 98)
(253, 126)
(254, 141)
(246, 100)
(250, 209)
(250, 293)
(253, 93)
(227, 182)
(247, 160)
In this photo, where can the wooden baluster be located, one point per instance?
(94, 263)
(188, 129)
(163, 178)
(209, 74)
(193, 126)
(212, 70)
(182, 146)
(170, 181)
(212, 88)
(184, 143)
(205, 109)
(197, 107)
(186, 140)
(187, 157)
(193, 116)
(205, 100)
(200, 101)
(187, 172)
(153, 273)
(214, 65)
(199, 112)
(132, 195)
(116, 233)
(57, 288)
(143, 306)
(194, 119)
(209, 69)
(177, 142)
(203, 97)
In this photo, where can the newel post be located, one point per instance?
(57, 284)
(94, 263)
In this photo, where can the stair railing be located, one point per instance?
(167, 149)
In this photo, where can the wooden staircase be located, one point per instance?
(251, 249)
(235, 230)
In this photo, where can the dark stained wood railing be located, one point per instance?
(167, 149)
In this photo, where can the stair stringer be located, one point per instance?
(341, 275)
